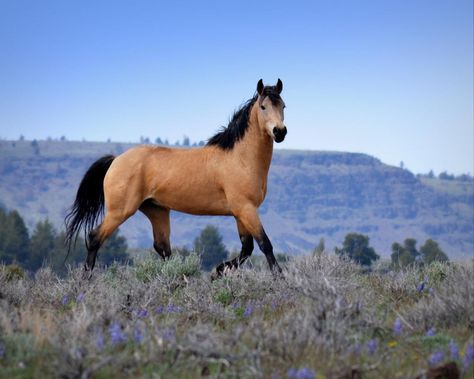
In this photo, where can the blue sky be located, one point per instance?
(393, 79)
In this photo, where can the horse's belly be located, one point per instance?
(194, 201)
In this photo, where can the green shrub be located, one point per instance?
(14, 272)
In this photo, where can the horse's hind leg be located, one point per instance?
(96, 238)
(247, 248)
(160, 222)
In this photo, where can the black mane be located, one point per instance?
(239, 123)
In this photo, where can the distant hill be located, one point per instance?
(311, 194)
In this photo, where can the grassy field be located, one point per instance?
(326, 318)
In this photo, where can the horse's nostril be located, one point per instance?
(275, 130)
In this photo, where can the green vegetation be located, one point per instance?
(210, 247)
(356, 247)
(408, 254)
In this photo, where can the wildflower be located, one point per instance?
(372, 346)
(436, 358)
(248, 311)
(138, 335)
(431, 291)
(142, 313)
(99, 343)
(392, 344)
(159, 310)
(454, 350)
(65, 300)
(468, 356)
(171, 308)
(431, 332)
(116, 334)
(2, 350)
(80, 297)
(274, 305)
(397, 327)
(420, 287)
(302, 373)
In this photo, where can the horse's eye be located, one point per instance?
(263, 108)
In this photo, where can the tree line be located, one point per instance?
(357, 248)
(46, 246)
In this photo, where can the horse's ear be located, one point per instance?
(260, 87)
(279, 86)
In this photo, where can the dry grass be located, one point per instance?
(155, 320)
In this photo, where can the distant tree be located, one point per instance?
(22, 137)
(59, 257)
(201, 143)
(63, 138)
(405, 255)
(356, 247)
(431, 252)
(445, 176)
(109, 140)
(14, 239)
(158, 141)
(320, 248)
(431, 174)
(35, 145)
(209, 245)
(167, 142)
(114, 250)
(41, 245)
(186, 141)
(402, 165)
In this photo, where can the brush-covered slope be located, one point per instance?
(310, 195)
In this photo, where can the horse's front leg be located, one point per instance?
(247, 248)
(248, 216)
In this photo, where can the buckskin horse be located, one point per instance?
(226, 177)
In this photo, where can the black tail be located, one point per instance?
(89, 203)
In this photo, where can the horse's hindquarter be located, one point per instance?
(186, 180)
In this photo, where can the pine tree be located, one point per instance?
(209, 245)
(42, 244)
(15, 240)
(114, 250)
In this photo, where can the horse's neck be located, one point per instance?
(256, 148)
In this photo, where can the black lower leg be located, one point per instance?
(93, 246)
(163, 249)
(247, 248)
(266, 246)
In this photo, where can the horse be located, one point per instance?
(226, 177)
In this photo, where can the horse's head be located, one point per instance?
(271, 110)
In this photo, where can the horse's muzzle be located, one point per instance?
(279, 134)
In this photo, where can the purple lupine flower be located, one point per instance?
(80, 297)
(2, 350)
(436, 358)
(397, 327)
(248, 311)
(171, 308)
(142, 313)
(468, 356)
(65, 300)
(372, 346)
(159, 310)
(431, 332)
(138, 335)
(99, 342)
(420, 287)
(302, 373)
(454, 350)
(116, 334)
(431, 291)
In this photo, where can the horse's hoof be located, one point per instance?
(86, 274)
(218, 272)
